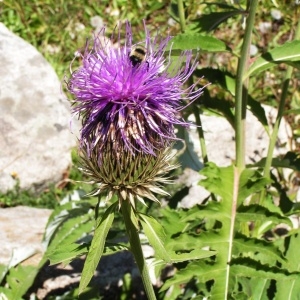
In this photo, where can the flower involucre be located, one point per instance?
(126, 104)
(130, 177)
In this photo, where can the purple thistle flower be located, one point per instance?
(130, 104)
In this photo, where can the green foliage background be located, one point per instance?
(231, 246)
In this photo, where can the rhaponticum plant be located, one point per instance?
(129, 97)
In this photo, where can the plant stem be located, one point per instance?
(136, 248)
(200, 132)
(181, 14)
(273, 139)
(241, 89)
(194, 105)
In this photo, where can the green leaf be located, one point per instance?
(6, 294)
(257, 213)
(66, 253)
(211, 210)
(259, 112)
(193, 255)
(222, 182)
(156, 236)
(251, 181)
(97, 246)
(3, 271)
(187, 241)
(171, 221)
(20, 279)
(202, 271)
(259, 288)
(290, 290)
(62, 214)
(216, 76)
(247, 267)
(288, 53)
(291, 160)
(209, 22)
(292, 111)
(197, 41)
(243, 246)
(71, 230)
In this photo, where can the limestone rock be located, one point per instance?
(35, 135)
(21, 233)
(220, 138)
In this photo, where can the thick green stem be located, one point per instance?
(181, 14)
(241, 89)
(273, 139)
(136, 248)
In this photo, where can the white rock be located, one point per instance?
(21, 233)
(220, 138)
(35, 137)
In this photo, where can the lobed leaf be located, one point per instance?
(251, 181)
(247, 267)
(193, 255)
(66, 253)
(255, 212)
(243, 245)
(20, 279)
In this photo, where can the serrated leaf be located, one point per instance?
(201, 270)
(188, 241)
(211, 210)
(251, 181)
(113, 248)
(290, 290)
(20, 280)
(222, 182)
(72, 229)
(61, 215)
(97, 246)
(288, 53)
(171, 221)
(156, 236)
(259, 213)
(66, 253)
(193, 255)
(243, 245)
(196, 41)
(247, 267)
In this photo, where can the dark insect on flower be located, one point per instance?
(137, 55)
(128, 96)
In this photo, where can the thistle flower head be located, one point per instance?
(129, 97)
